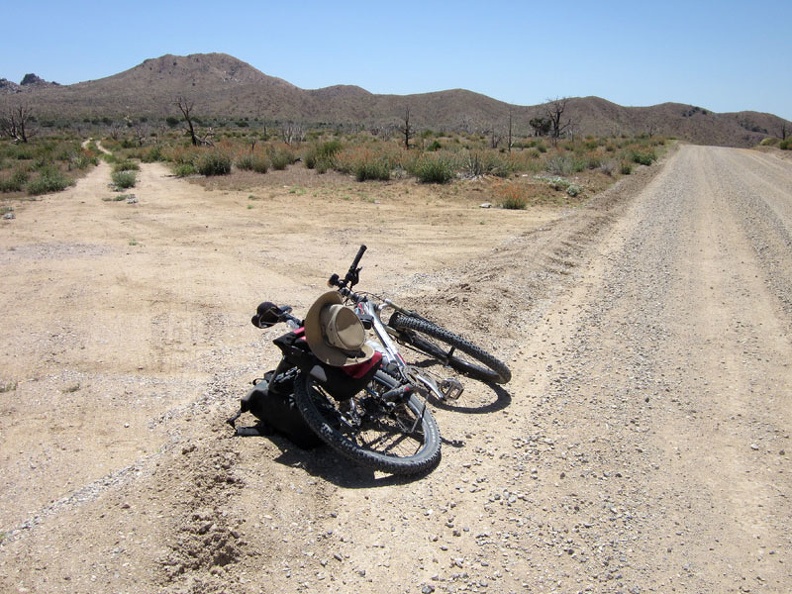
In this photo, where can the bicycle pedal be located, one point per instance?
(451, 388)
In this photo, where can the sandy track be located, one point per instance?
(640, 447)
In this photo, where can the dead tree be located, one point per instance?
(186, 107)
(555, 113)
(292, 132)
(406, 129)
(15, 122)
(495, 138)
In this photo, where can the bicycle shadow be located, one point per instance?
(324, 463)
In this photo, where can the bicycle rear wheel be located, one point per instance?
(394, 437)
(449, 349)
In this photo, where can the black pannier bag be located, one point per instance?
(271, 401)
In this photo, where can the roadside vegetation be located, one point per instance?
(531, 170)
(42, 165)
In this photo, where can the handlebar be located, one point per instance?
(268, 314)
(353, 274)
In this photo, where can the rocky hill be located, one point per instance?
(222, 86)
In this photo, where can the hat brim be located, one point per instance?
(315, 337)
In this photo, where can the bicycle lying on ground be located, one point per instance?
(353, 387)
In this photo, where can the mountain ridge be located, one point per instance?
(222, 86)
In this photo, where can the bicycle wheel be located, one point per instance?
(449, 349)
(393, 437)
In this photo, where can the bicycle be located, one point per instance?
(372, 410)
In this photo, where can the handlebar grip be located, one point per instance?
(352, 277)
(356, 261)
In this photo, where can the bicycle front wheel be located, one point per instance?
(393, 437)
(449, 349)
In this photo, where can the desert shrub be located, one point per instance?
(281, 157)
(125, 165)
(433, 169)
(785, 144)
(153, 154)
(511, 196)
(373, 170)
(15, 182)
(253, 162)
(607, 168)
(213, 163)
(474, 165)
(566, 164)
(184, 169)
(478, 163)
(321, 156)
(124, 179)
(49, 179)
(364, 163)
(643, 158)
(626, 168)
(83, 161)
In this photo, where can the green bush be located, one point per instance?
(124, 179)
(566, 164)
(786, 144)
(433, 170)
(643, 158)
(281, 158)
(375, 170)
(16, 182)
(49, 180)
(253, 162)
(321, 156)
(184, 169)
(514, 203)
(153, 155)
(213, 163)
(125, 165)
(83, 161)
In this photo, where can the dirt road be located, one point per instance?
(642, 446)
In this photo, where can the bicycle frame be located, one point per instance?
(368, 311)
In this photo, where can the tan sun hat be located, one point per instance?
(334, 333)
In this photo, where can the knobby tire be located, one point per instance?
(403, 439)
(445, 346)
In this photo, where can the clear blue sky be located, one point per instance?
(722, 55)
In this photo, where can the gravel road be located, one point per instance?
(642, 445)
